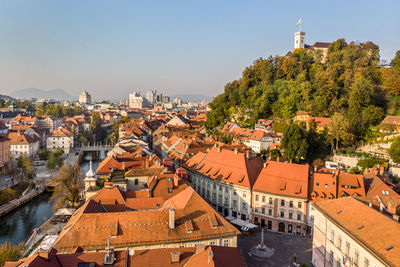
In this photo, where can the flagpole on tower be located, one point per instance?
(299, 24)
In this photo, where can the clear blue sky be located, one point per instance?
(112, 48)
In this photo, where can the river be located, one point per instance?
(17, 225)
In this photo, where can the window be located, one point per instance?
(332, 235)
(234, 203)
(234, 193)
(339, 243)
(299, 205)
(270, 200)
(136, 181)
(170, 190)
(214, 196)
(220, 187)
(338, 264)
(356, 257)
(244, 194)
(226, 242)
(256, 197)
(212, 242)
(290, 215)
(282, 213)
(331, 257)
(317, 184)
(215, 186)
(299, 216)
(263, 199)
(291, 204)
(347, 248)
(366, 262)
(244, 206)
(282, 202)
(263, 210)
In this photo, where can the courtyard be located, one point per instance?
(285, 247)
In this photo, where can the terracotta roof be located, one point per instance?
(391, 120)
(144, 227)
(374, 186)
(321, 45)
(377, 233)
(320, 121)
(227, 166)
(350, 185)
(17, 138)
(284, 179)
(190, 257)
(60, 132)
(323, 186)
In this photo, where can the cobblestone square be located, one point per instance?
(285, 246)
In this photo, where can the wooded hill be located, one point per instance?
(349, 81)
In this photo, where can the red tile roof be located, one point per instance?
(144, 227)
(281, 178)
(227, 166)
(208, 256)
(378, 232)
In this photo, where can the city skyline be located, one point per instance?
(178, 48)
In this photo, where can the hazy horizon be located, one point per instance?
(114, 48)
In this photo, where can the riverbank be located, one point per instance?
(15, 203)
(18, 224)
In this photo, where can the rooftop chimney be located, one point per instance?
(392, 207)
(175, 257)
(171, 221)
(176, 180)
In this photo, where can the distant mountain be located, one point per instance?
(57, 94)
(6, 98)
(192, 98)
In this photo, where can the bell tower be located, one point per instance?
(299, 40)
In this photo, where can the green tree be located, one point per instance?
(275, 153)
(25, 163)
(10, 252)
(394, 150)
(369, 162)
(295, 143)
(52, 161)
(42, 154)
(395, 63)
(317, 143)
(339, 130)
(68, 185)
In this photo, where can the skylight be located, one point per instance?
(389, 248)
(339, 212)
(361, 227)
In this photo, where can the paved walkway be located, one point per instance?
(284, 246)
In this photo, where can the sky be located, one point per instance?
(112, 48)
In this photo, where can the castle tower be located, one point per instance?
(299, 41)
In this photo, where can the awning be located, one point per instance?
(250, 225)
(230, 218)
(64, 211)
(239, 222)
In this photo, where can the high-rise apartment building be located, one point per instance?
(85, 98)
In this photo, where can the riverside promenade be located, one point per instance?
(15, 203)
